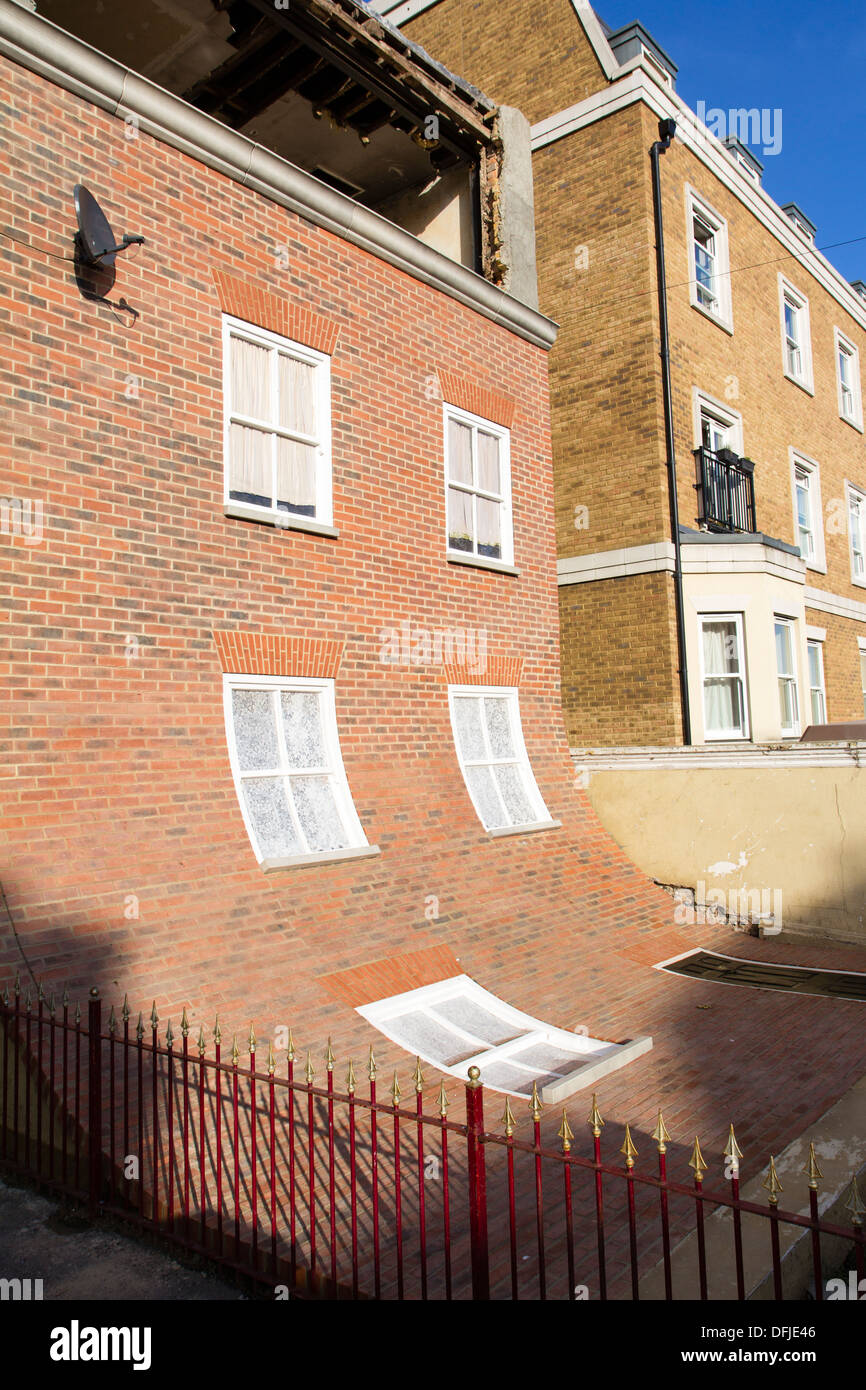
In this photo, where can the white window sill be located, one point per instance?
(815, 567)
(307, 861)
(803, 385)
(726, 324)
(287, 521)
(855, 424)
(481, 562)
(530, 829)
(859, 583)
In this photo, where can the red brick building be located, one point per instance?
(243, 607)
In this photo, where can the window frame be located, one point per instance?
(858, 494)
(728, 735)
(800, 303)
(336, 773)
(845, 348)
(511, 693)
(816, 644)
(801, 463)
(322, 520)
(697, 208)
(791, 677)
(506, 512)
(728, 419)
(861, 648)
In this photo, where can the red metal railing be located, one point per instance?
(333, 1193)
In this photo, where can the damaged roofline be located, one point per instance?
(44, 48)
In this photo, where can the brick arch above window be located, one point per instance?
(250, 301)
(267, 654)
(498, 670)
(470, 395)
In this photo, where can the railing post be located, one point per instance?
(94, 1098)
(477, 1187)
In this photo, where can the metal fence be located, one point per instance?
(317, 1191)
(726, 484)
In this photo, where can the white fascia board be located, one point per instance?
(835, 603)
(640, 85)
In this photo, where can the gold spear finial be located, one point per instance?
(628, 1149)
(811, 1168)
(16, 988)
(594, 1118)
(854, 1204)
(329, 1057)
(124, 1013)
(28, 999)
(418, 1076)
(371, 1066)
(443, 1100)
(154, 1016)
(202, 1045)
(350, 1078)
(78, 1015)
(565, 1134)
(697, 1161)
(52, 1006)
(217, 1031)
(310, 1073)
(395, 1090)
(251, 1041)
(184, 1023)
(535, 1106)
(290, 1050)
(772, 1184)
(236, 1056)
(733, 1153)
(660, 1134)
(112, 1021)
(139, 1027)
(40, 993)
(169, 1035)
(272, 1061)
(5, 997)
(508, 1118)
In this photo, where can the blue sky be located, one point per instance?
(807, 59)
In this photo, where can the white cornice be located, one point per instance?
(640, 85)
(710, 557)
(44, 48)
(835, 603)
(594, 32)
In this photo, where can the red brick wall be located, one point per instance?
(118, 798)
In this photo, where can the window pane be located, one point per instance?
(318, 814)
(721, 649)
(303, 728)
(784, 656)
(723, 705)
(459, 520)
(488, 462)
(250, 465)
(470, 737)
(251, 380)
(255, 734)
(297, 395)
(296, 477)
(814, 665)
(459, 452)
(483, 792)
(268, 810)
(788, 703)
(517, 803)
(489, 540)
(424, 1035)
(818, 716)
(498, 721)
(473, 1018)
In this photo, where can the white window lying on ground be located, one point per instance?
(478, 487)
(709, 271)
(857, 533)
(288, 770)
(796, 335)
(723, 674)
(455, 1024)
(848, 381)
(493, 758)
(277, 425)
(786, 667)
(817, 695)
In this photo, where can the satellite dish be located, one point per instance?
(95, 242)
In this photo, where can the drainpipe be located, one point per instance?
(667, 130)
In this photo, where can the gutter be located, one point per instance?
(42, 47)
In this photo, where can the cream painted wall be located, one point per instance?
(797, 831)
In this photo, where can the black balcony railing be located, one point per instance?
(726, 484)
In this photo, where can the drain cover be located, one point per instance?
(796, 979)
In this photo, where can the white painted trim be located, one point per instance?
(732, 419)
(640, 86)
(842, 607)
(785, 621)
(860, 493)
(818, 634)
(798, 459)
(596, 35)
(840, 341)
(698, 206)
(739, 621)
(506, 518)
(520, 759)
(787, 291)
